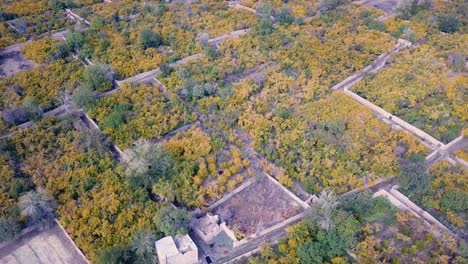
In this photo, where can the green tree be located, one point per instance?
(327, 245)
(84, 97)
(9, 228)
(75, 40)
(448, 23)
(150, 39)
(172, 221)
(114, 255)
(33, 108)
(413, 177)
(146, 163)
(165, 70)
(39, 207)
(98, 77)
(455, 201)
(284, 16)
(143, 246)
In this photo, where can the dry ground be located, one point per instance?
(13, 61)
(259, 206)
(46, 247)
(388, 6)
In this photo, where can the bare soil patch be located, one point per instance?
(259, 206)
(13, 61)
(388, 6)
(50, 246)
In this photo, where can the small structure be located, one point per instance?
(214, 232)
(177, 250)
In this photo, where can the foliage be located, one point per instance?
(413, 177)
(327, 246)
(454, 201)
(119, 41)
(150, 39)
(143, 246)
(38, 207)
(97, 77)
(84, 97)
(432, 97)
(448, 23)
(113, 255)
(139, 111)
(95, 205)
(40, 51)
(146, 163)
(172, 221)
(9, 229)
(44, 83)
(322, 209)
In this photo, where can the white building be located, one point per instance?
(177, 250)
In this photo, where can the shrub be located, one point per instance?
(374, 24)
(98, 77)
(457, 62)
(150, 39)
(448, 23)
(114, 255)
(265, 27)
(165, 70)
(284, 16)
(32, 107)
(172, 221)
(328, 5)
(454, 201)
(84, 97)
(9, 228)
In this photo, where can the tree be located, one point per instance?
(165, 70)
(143, 246)
(284, 16)
(172, 221)
(322, 210)
(455, 201)
(98, 77)
(327, 245)
(33, 108)
(39, 207)
(9, 228)
(359, 204)
(413, 177)
(84, 97)
(75, 41)
(328, 5)
(448, 23)
(114, 255)
(457, 62)
(150, 39)
(93, 139)
(265, 27)
(146, 163)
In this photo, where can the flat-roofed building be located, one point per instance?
(177, 250)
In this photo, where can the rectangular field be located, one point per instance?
(257, 207)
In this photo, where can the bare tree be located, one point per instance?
(39, 207)
(321, 211)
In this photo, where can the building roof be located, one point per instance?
(184, 244)
(166, 247)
